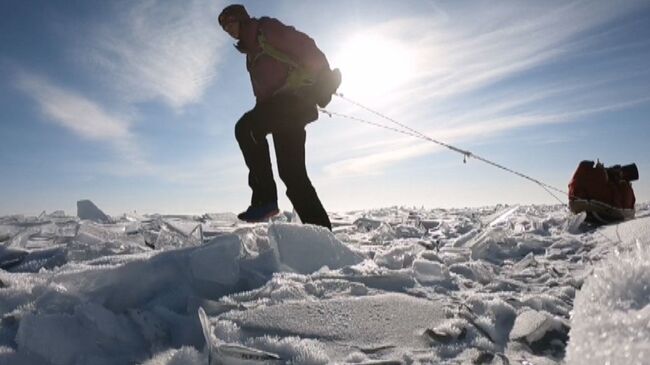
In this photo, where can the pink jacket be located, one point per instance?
(268, 75)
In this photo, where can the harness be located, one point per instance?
(297, 78)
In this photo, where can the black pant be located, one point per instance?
(284, 116)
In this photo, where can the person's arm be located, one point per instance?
(295, 44)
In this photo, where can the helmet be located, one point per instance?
(233, 13)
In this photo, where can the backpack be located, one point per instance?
(314, 88)
(605, 194)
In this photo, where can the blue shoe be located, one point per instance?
(260, 213)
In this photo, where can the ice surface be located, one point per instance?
(430, 272)
(629, 232)
(307, 249)
(183, 356)
(611, 321)
(11, 257)
(531, 325)
(218, 262)
(87, 335)
(394, 285)
(380, 321)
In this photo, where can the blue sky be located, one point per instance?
(133, 103)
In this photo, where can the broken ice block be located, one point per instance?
(88, 210)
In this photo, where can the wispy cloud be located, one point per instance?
(91, 121)
(476, 47)
(83, 117)
(137, 52)
(72, 110)
(375, 163)
(155, 50)
(467, 50)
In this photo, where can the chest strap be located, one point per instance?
(297, 77)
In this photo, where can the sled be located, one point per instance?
(599, 212)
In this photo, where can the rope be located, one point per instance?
(414, 133)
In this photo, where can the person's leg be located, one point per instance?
(290, 154)
(255, 149)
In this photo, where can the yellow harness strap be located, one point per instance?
(298, 77)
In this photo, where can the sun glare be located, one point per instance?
(374, 65)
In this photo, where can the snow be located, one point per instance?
(504, 284)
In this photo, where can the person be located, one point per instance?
(290, 77)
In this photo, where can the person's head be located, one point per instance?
(231, 18)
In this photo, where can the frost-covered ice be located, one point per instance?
(611, 323)
(498, 285)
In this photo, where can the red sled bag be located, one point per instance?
(605, 194)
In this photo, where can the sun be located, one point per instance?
(373, 65)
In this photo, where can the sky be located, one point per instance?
(132, 104)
